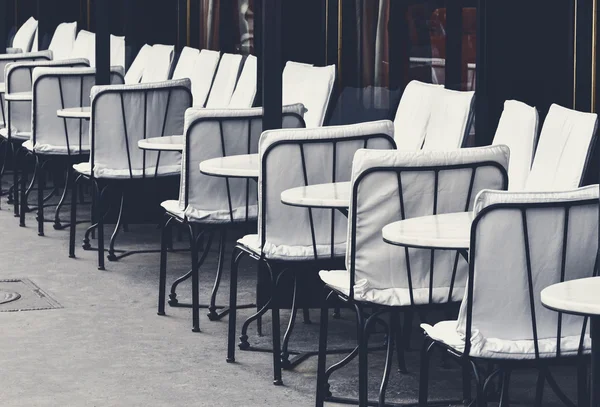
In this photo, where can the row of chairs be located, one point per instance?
(431, 172)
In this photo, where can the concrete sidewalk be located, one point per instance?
(107, 346)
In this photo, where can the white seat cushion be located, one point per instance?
(495, 348)
(85, 47)
(173, 208)
(158, 63)
(163, 171)
(18, 135)
(117, 51)
(291, 253)
(47, 149)
(212, 217)
(136, 70)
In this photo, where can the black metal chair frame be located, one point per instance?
(504, 367)
(277, 268)
(101, 188)
(211, 229)
(334, 297)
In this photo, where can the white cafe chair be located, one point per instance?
(18, 112)
(564, 150)
(293, 239)
(121, 116)
(310, 85)
(212, 205)
(521, 243)
(55, 141)
(388, 186)
(518, 129)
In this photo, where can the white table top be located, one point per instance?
(75, 113)
(166, 143)
(19, 96)
(446, 231)
(235, 166)
(574, 297)
(333, 195)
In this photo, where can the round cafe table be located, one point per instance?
(166, 143)
(84, 113)
(334, 195)
(233, 166)
(448, 231)
(19, 97)
(580, 297)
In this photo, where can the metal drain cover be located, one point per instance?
(8, 296)
(23, 294)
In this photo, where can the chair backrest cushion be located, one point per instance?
(124, 114)
(85, 47)
(207, 133)
(293, 158)
(186, 62)
(562, 154)
(136, 70)
(59, 88)
(450, 120)
(507, 224)
(225, 80)
(396, 185)
(517, 129)
(412, 116)
(159, 62)
(245, 90)
(203, 75)
(117, 51)
(24, 37)
(63, 40)
(312, 86)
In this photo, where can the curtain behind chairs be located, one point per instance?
(240, 18)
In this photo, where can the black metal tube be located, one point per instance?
(272, 64)
(102, 43)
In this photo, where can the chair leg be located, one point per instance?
(363, 377)
(388, 359)
(276, 328)
(322, 361)
(15, 180)
(195, 278)
(23, 208)
(212, 309)
(539, 389)
(480, 382)
(398, 340)
(162, 279)
(113, 238)
(407, 331)
(40, 199)
(466, 383)
(233, 277)
(285, 356)
(582, 380)
(98, 215)
(57, 223)
(72, 226)
(426, 350)
(504, 395)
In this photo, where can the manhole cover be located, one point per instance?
(8, 296)
(24, 295)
